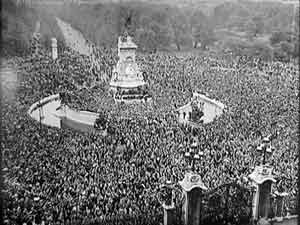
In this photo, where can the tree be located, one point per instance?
(203, 35)
(4, 22)
(222, 13)
(179, 27)
(287, 47)
(278, 37)
(296, 49)
(159, 16)
(105, 35)
(199, 26)
(255, 26)
(297, 21)
(237, 46)
(162, 34)
(285, 44)
(261, 50)
(279, 54)
(146, 39)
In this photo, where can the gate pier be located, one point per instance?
(193, 188)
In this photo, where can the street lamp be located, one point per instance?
(192, 155)
(167, 193)
(167, 202)
(265, 148)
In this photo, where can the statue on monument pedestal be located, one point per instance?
(127, 81)
(127, 72)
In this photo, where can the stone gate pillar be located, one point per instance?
(193, 187)
(262, 179)
(169, 214)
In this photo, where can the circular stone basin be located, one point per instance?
(49, 112)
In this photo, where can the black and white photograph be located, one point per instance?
(150, 112)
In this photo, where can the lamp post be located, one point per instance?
(41, 116)
(168, 193)
(192, 155)
(265, 148)
(168, 203)
(193, 188)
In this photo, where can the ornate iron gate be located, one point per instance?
(227, 204)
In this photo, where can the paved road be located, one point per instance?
(74, 38)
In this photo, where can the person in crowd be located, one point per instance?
(61, 176)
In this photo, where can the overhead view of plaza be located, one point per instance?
(129, 119)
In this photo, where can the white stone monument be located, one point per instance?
(126, 74)
(54, 48)
(127, 81)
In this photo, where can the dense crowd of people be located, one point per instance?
(61, 176)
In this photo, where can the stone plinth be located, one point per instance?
(169, 214)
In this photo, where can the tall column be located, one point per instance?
(262, 180)
(54, 48)
(193, 187)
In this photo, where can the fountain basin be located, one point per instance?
(212, 109)
(50, 112)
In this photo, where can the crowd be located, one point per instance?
(60, 176)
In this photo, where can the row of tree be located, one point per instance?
(153, 27)
(19, 21)
(162, 27)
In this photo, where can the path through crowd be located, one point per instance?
(74, 38)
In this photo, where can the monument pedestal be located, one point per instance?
(127, 83)
(193, 187)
